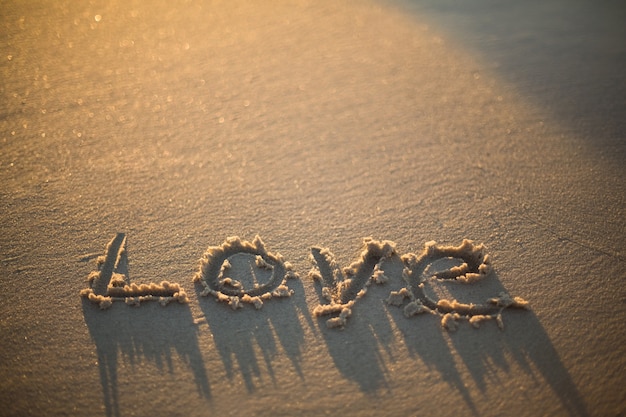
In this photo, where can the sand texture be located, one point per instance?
(355, 208)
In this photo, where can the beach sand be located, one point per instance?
(312, 125)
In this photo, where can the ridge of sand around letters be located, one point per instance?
(236, 269)
(217, 262)
(110, 282)
(341, 289)
(311, 123)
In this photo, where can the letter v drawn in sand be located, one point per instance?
(342, 291)
(111, 283)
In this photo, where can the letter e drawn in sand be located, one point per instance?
(476, 266)
(111, 283)
(216, 278)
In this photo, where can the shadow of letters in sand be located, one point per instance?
(402, 291)
(418, 288)
(138, 335)
(239, 273)
(141, 336)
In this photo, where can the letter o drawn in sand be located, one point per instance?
(215, 266)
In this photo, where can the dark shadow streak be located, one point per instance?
(485, 348)
(150, 332)
(426, 340)
(568, 56)
(236, 332)
(356, 349)
(528, 343)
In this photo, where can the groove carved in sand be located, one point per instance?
(341, 293)
(214, 271)
(341, 288)
(110, 282)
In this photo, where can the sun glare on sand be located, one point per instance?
(183, 129)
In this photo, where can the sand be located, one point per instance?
(313, 125)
